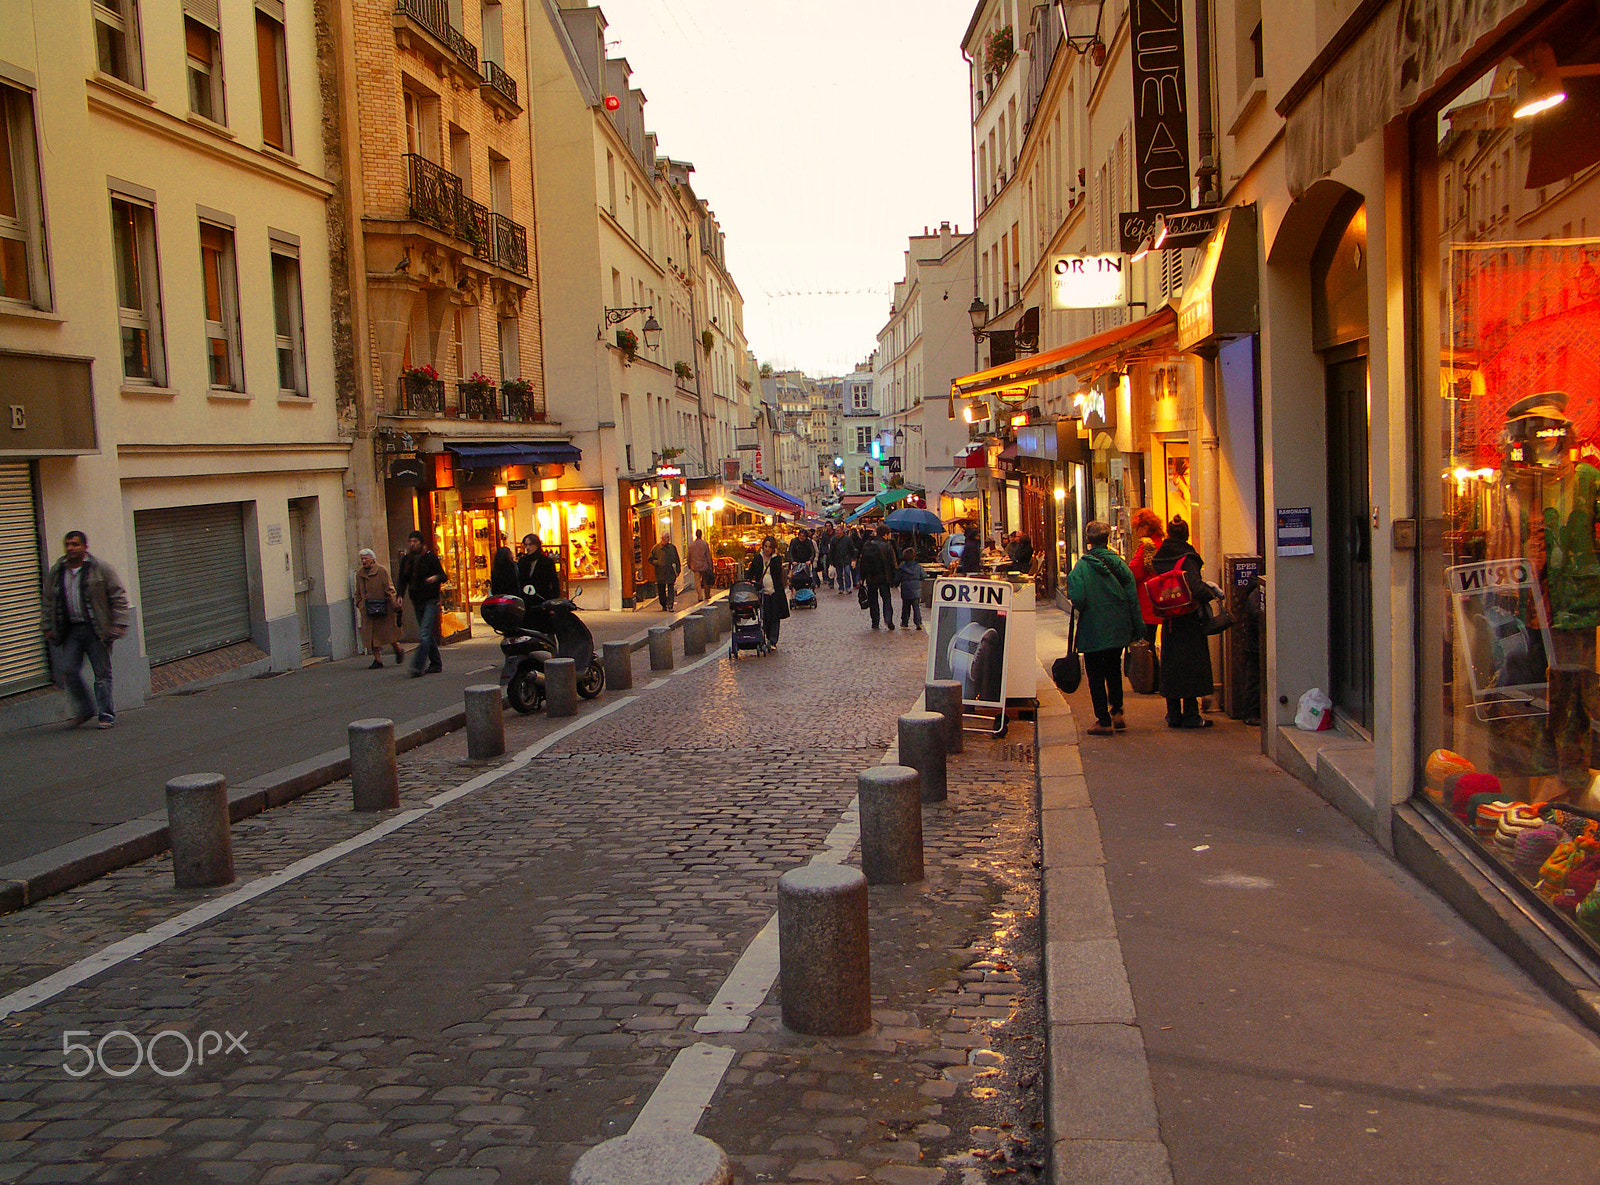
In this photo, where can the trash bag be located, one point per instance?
(1315, 713)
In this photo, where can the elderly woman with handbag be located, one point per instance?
(376, 605)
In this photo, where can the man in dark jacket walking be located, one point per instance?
(878, 566)
(842, 556)
(85, 611)
(420, 578)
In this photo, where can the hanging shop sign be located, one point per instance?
(408, 471)
(1183, 230)
(1088, 281)
(1160, 112)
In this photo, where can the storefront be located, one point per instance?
(1507, 272)
(24, 664)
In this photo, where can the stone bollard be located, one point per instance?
(724, 612)
(694, 635)
(374, 780)
(824, 964)
(922, 748)
(713, 620)
(944, 696)
(560, 687)
(891, 824)
(486, 721)
(618, 661)
(660, 648)
(653, 1158)
(197, 822)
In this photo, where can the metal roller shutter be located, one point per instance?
(194, 588)
(24, 662)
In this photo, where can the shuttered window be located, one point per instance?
(24, 662)
(194, 588)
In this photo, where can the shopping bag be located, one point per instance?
(1315, 713)
(862, 597)
(1142, 667)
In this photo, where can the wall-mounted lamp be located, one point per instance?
(978, 313)
(652, 327)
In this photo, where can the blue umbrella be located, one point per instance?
(915, 519)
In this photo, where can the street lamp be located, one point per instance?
(978, 312)
(652, 327)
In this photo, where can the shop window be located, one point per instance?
(133, 237)
(116, 40)
(224, 361)
(289, 323)
(273, 64)
(572, 524)
(1511, 438)
(23, 275)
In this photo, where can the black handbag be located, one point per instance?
(378, 607)
(1067, 671)
(862, 597)
(1142, 667)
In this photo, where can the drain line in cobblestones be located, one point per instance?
(86, 968)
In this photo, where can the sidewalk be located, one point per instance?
(57, 785)
(1303, 1010)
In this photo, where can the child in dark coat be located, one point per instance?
(909, 577)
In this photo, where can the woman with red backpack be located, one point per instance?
(1175, 591)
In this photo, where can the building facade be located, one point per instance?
(166, 339)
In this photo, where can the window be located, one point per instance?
(272, 62)
(116, 39)
(289, 324)
(861, 397)
(23, 275)
(203, 49)
(869, 480)
(422, 125)
(863, 439)
(493, 37)
(133, 236)
(510, 349)
(221, 280)
(499, 183)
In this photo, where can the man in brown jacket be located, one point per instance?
(85, 611)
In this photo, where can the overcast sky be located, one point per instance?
(823, 134)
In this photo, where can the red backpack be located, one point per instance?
(1169, 593)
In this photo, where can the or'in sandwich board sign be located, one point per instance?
(968, 640)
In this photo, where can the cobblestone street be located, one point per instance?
(502, 978)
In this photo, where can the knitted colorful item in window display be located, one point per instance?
(1466, 786)
(1440, 765)
(1534, 846)
(1512, 824)
(1570, 823)
(1487, 814)
(1584, 876)
(1588, 913)
(1558, 866)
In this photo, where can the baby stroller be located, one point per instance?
(802, 587)
(744, 606)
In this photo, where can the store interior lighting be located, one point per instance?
(1541, 85)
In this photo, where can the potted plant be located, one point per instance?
(421, 389)
(998, 51)
(671, 454)
(518, 396)
(707, 341)
(683, 370)
(628, 343)
(477, 396)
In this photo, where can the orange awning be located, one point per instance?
(1160, 328)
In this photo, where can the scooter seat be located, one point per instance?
(555, 604)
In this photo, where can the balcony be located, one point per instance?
(436, 198)
(432, 19)
(420, 396)
(520, 404)
(499, 87)
(478, 401)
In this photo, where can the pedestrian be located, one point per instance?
(1148, 538)
(843, 558)
(909, 578)
(878, 566)
(421, 577)
(1185, 649)
(802, 550)
(1021, 553)
(825, 554)
(376, 605)
(1106, 598)
(971, 561)
(536, 571)
(702, 565)
(85, 611)
(503, 572)
(664, 559)
(765, 571)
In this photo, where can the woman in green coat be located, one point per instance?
(1103, 591)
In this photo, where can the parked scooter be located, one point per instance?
(533, 632)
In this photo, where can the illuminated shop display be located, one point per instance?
(572, 524)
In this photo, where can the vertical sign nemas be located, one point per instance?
(1160, 106)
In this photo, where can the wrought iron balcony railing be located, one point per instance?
(472, 225)
(434, 16)
(522, 405)
(494, 75)
(420, 396)
(435, 193)
(478, 401)
(509, 244)
(436, 198)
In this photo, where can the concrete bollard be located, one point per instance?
(618, 661)
(944, 696)
(824, 965)
(694, 635)
(724, 615)
(560, 687)
(653, 1158)
(197, 822)
(660, 648)
(891, 824)
(922, 748)
(713, 620)
(374, 780)
(486, 721)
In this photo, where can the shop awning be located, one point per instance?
(797, 503)
(976, 456)
(1157, 330)
(882, 500)
(962, 484)
(745, 501)
(497, 454)
(1220, 299)
(769, 503)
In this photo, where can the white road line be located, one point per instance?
(107, 957)
(681, 1097)
(746, 986)
(654, 683)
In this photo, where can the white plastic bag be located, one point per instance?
(1316, 712)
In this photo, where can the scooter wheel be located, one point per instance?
(524, 692)
(593, 680)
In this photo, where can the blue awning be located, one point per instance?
(497, 455)
(777, 493)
